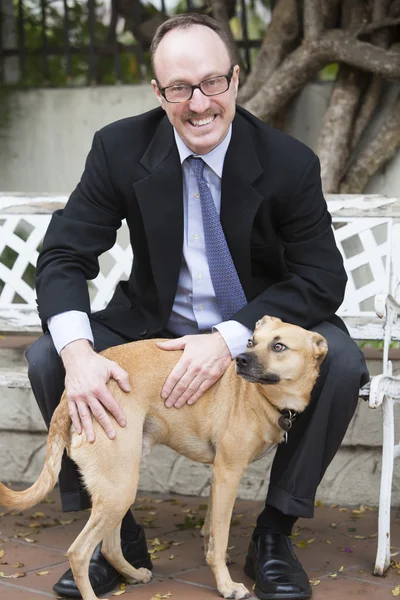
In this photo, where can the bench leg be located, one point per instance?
(382, 562)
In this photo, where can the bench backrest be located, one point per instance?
(367, 231)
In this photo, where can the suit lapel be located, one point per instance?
(160, 199)
(239, 199)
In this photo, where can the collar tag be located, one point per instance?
(286, 420)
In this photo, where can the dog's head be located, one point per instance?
(284, 360)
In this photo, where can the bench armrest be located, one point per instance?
(383, 385)
(386, 304)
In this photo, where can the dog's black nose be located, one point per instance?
(242, 360)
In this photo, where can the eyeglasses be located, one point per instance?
(181, 92)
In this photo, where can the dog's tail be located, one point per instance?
(57, 441)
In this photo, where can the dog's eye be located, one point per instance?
(250, 343)
(278, 347)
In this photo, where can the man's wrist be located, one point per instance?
(75, 348)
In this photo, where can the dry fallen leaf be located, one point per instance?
(301, 544)
(341, 569)
(42, 572)
(315, 581)
(18, 565)
(176, 543)
(47, 501)
(160, 547)
(1, 552)
(13, 576)
(30, 541)
(65, 522)
(333, 575)
(38, 514)
(396, 591)
(119, 593)
(171, 557)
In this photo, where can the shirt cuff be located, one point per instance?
(235, 335)
(68, 327)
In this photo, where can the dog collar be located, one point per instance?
(286, 420)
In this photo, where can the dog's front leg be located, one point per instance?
(225, 483)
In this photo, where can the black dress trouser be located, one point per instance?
(298, 466)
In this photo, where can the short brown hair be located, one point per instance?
(183, 21)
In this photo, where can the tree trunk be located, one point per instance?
(333, 146)
(303, 64)
(281, 37)
(379, 152)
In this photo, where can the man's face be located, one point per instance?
(190, 56)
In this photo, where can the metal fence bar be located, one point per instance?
(21, 39)
(46, 70)
(91, 48)
(3, 18)
(245, 35)
(92, 35)
(113, 31)
(68, 62)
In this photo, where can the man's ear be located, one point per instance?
(319, 345)
(157, 93)
(236, 72)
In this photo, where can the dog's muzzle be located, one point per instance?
(248, 367)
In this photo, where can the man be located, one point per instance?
(278, 257)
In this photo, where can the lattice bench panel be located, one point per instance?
(20, 241)
(365, 245)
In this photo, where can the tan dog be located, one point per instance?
(234, 423)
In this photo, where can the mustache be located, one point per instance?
(190, 115)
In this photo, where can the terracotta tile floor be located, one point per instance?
(337, 548)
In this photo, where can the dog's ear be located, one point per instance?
(267, 319)
(320, 346)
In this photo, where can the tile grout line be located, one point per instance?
(26, 589)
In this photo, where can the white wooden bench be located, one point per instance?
(367, 231)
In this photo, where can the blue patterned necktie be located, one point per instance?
(227, 287)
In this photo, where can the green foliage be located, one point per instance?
(79, 37)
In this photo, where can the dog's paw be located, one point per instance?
(237, 591)
(144, 575)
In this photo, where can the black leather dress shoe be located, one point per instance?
(102, 575)
(272, 564)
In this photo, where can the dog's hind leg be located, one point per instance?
(111, 549)
(111, 474)
(80, 552)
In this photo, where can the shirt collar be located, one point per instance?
(214, 159)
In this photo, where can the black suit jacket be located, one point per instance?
(273, 214)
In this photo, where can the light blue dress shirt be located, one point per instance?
(195, 308)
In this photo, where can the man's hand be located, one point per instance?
(205, 359)
(87, 374)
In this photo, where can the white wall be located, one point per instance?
(45, 143)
